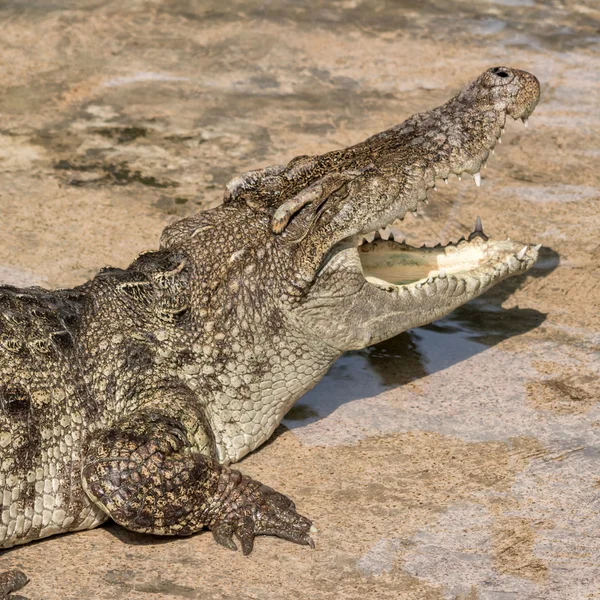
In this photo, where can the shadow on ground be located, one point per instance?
(414, 354)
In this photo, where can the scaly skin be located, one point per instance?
(128, 396)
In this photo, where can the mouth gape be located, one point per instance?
(368, 186)
(471, 264)
(467, 265)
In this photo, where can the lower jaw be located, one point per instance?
(467, 267)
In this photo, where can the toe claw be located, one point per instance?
(245, 532)
(259, 510)
(223, 535)
(247, 544)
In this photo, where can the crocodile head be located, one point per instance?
(295, 232)
(359, 293)
(279, 280)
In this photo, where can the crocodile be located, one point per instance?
(129, 396)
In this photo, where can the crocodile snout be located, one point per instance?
(527, 96)
(519, 89)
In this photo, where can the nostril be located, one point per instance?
(500, 72)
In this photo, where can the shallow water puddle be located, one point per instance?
(428, 379)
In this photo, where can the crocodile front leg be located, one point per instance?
(143, 474)
(11, 581)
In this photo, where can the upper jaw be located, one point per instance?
(440, 171)
(369, 186)
(455, 138)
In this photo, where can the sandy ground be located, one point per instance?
(457, 461)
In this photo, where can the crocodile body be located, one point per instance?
(128, 396)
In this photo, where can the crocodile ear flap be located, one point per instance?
(316, 194)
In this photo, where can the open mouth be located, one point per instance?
(369, 186)
(470, 265)
(359, 293)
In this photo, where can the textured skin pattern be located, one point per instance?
(142, 474)
(128, 396)
(11, 581)
(47, 411)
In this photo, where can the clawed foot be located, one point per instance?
(260, 510)
(11, 581)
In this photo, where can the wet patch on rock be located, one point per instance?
(109, 174)
(121, 135)
(564, 391)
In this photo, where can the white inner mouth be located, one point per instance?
(389, 264)
(401, 264)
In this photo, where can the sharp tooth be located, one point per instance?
(442, 274)
(493, 151)
(502, 131)
(415, 213)
(537, 247)
(459, 177)
(446, 180)
(435, 188)
(500, 140)
(430, 280)
(522, 253)
(485, 165)
(478, 225)
(525, 121)
(478, 231)
(477, 178)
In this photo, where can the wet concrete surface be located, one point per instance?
(458, 461)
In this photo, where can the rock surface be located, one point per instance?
(457, 461)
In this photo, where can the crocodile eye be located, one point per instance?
(500, 72)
